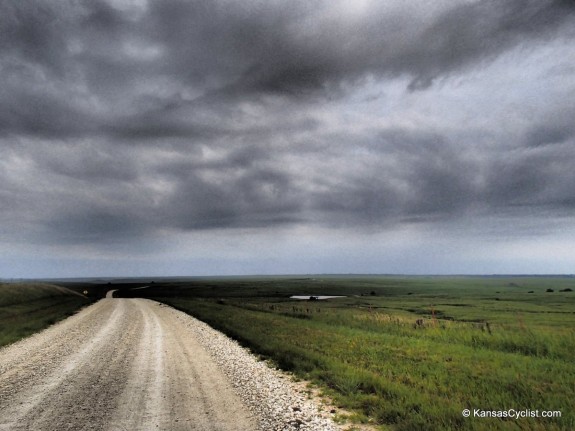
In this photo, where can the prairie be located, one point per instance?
(406, 353)
(26, 308)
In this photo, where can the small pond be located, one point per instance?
(309, 297)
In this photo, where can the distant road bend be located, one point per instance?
(119, 365)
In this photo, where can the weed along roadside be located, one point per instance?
(406, 353)
(26, 308)
(391, 353)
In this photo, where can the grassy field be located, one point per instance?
(31, 307)
(407, 353)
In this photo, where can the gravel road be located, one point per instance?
(135, 364)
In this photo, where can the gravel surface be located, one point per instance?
(135, 364)
(270, 394)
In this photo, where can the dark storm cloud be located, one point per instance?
(88, 163)
(559, 129)
(256, 199)
(33, 30)
(92, 226)
(329, 51)
(426, 177)
(146, 127)
(478, 31)
(42, 115)
(408, 174)
(230, 49)
(119, 121)
(536, 179)
(408, 177)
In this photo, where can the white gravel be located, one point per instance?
(270, 394)
(138, 365)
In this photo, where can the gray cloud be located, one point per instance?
(178, 50)
(92, 227)
(32, 30)
(121, 122)
(402, 42)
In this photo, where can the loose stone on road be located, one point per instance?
(136, 364)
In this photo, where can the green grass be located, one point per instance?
(482, 343)
(29, 308)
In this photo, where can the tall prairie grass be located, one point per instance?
(29, 308)
(402, 362)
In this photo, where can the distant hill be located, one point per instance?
(17, 293)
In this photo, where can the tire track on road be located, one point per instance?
(120, 364)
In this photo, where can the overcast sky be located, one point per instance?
(182, 137)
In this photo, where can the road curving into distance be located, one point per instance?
(139, 365)
(120, 364)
